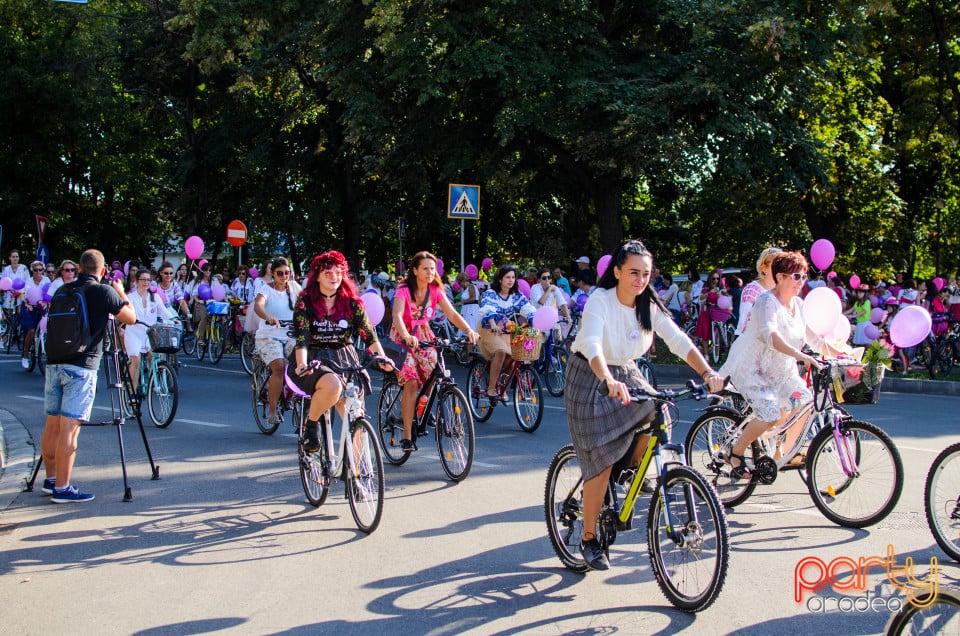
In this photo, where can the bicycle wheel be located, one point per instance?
(13, 332)
(925, 352)
(942, 616)
(690, 569)
(715, 342)
(364, 477)
(528, 398)
(189, 343)
(944, 359)
(32, 356)
(462, 355)
(563, 508)
(218, 340)
(455, 441)
(861, 499)
(707, 447)
(200, 348)
(259, 399)
(941, 500)
(477, 376)
(247, 351)
(42, 356)
(316, 485)
(646, 370)
(390, 422)
(163, 394)
(553, 376)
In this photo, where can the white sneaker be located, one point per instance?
(24, 363)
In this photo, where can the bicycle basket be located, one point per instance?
(164, 338)
(857, 383)
(218, 308)
(525, 348)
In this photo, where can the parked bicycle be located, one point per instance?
(520, 378)
(941, 500)
(440, 405)
(444, 330)
(354, 459)
(646, 370)
(686, 526)
(852, 468)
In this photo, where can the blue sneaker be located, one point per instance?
(70, 495)
(48, 485)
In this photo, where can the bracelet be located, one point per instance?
(707, 373)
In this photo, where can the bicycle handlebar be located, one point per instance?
(343, 370)
(698, 391)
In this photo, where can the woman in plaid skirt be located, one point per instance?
(617, 327)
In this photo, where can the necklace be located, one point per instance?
(328, 296)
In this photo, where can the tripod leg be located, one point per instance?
(154, 469)
(33, 477)
(127, 492)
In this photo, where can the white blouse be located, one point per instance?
(612, 328)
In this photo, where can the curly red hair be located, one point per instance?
(346, 293)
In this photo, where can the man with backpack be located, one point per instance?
(76, 324)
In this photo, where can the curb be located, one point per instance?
(19, 456)
(890, 384)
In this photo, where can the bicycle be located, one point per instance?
(14, 332)
(360, 469)
(162, 392)
(445, 410)
(552, 365)
(527, 387)
(215, 335)
(941, 500)
(686, 526)
(853, 469)
(443, 329)
(947, 352)
(646, 369)
(942, 616)
(261, 400)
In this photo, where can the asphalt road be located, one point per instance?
(225, 541)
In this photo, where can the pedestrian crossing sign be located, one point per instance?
(463, 202)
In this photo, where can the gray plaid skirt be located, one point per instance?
(601, 428)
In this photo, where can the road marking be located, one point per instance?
(922, 450)
(199, 423)
(217, 369)
(31, 397)
(485, 464)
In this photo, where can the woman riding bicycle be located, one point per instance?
(417, 299)
(497, 305)
(149, 308)
(325, 318)
(30, 313)
(617, 327)
(762, 364)
(274, 305)
(170, 293)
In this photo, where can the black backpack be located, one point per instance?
(68, 325)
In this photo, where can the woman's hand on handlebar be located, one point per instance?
(618, 391)
(384, 363)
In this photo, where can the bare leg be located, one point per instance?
(408, 403)
(496, 365)
(135, 371)
(48, 444)
(274, 386)
(66, 450)
(593, 493)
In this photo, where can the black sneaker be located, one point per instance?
(310, 441)
(408, 445)
(648, 486)
(593, 554)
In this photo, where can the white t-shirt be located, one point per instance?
(672, 297)
(279, 305)
(555, 298)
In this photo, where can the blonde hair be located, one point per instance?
(766, 258)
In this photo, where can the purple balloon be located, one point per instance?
(910, 326)
(203, 291)
(874, 301)
(871, 331)
(117, 275)
(487, 264)
(217, 291)
(34, 294)
(524, 287)
(439, 267)
(581, 301)
(602, 264)
(471, 271)
(254, 272)
(18, 284)
(877, 314)
(374, 307)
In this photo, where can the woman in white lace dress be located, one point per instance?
(763, 361)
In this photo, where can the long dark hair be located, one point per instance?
(497, 281)
(410, 280)
(648, 296)
(346, 293)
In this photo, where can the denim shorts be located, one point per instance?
(69, 391)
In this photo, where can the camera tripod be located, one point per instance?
(120, 386)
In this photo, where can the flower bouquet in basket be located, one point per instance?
(525, 341)
(860, 383)
(876, 360)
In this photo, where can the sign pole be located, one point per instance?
(462, 243)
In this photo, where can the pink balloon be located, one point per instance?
(545, 318)
(373, 305)
(832, 275)
(877, 314)
(193, 246)
(6, 283)
(218, 291)
(34, 294)
(439, 267)
(822, 253)
(201, 263)
(254, 272)
(126, 268)
(871, 331)
(821, 310)
(471, 271)
(456, 286)
(724, 302)
(487, 264)
(939, 283)
(602, 264)
(400, 266)
(874, 301)
(910, 326)
(524, 287)
(42, 326)
(854, 281)
(840, 332)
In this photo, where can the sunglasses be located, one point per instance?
(797, 276)
(69, 270)
(36, 269)
(167, 273)
(143, 280)
(546, 277)
(283, 273)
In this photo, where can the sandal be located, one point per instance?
(799, 461)
(741, 471)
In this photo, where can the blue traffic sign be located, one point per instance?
(463, 202)
(43, 254)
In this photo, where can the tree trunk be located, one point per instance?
(608, 200)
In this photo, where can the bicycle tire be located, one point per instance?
(942, 616)
(32, 356)
(941, 500)
(528, 398)
(690, 573)
(260, 404)
(455, 434)
(247, 352)
(363, 479)
(708, 442)
(715, 337)
(477, 376)
(13, 332)
(945, 359)
(163, 395)
(874, 492)
(563, 508)
(390, 422)
(555, 370)
(41, 357)
(217, 342)
(463, 356)
(200, 349)
(316, 485)
(646, 370)
(189, 343)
